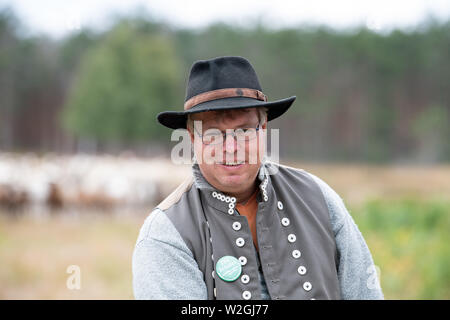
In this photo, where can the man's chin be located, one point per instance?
(231, 180)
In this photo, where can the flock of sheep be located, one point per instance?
(59, 181)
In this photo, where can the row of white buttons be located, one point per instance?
(263, 188)
(230, 200)
(307, 286)
(240, 242)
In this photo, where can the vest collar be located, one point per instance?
(220, 200)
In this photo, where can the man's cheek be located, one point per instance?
(252, 152)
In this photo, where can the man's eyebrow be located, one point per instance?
(247, 124)
(244, 125)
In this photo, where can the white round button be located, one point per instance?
(236, 226)
(296, 254)
(240, 242)
(301, 270)
(292, 238)
(245, 279)
(243, 260)
(231, 211)
(212, 274)
(307, 286)
(246, 295)
(280, 205)
(214, 194)
(215, 292)
(285, 222)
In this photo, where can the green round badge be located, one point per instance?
(228, 268)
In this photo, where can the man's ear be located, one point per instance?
(264, 125)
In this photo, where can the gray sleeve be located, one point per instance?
(357, 273)
(163, 266)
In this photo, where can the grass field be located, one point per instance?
(403, 213)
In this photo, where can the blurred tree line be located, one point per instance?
(361, 95)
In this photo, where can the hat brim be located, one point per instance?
(177, 119)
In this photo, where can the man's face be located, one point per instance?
(231, 165)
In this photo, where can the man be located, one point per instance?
(241, 227)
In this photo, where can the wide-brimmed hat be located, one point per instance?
(223, 83)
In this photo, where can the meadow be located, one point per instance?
(402, 211)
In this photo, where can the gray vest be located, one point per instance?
(297, 247)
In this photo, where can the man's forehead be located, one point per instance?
(220, 116)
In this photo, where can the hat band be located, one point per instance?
(224, 93)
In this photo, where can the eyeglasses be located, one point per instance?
(215, 136)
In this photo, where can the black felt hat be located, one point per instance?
(223, 83)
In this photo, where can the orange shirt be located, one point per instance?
(249, 210)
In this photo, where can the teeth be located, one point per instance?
(233, 163)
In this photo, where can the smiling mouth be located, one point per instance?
(232, 164)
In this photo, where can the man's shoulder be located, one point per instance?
(276, 169)
(301, 177)
(176, 195)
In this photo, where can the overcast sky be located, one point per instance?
(58, 18)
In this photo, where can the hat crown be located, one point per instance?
(220, 73)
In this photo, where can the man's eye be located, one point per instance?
(211, 135)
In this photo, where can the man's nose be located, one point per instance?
(230, 143)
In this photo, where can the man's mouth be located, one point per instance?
(232, 164)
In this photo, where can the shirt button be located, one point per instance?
(285, 222)
(236, 226)
(301, 270)
(245, 279)
(243, 260)
(292, 238)
(240, 242)
(246, 295)
(280, 205)
(307, 286)
(296, 254)
(215, 292)
(231, 211)
(212, 274)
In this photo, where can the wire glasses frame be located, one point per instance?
(218, 137)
